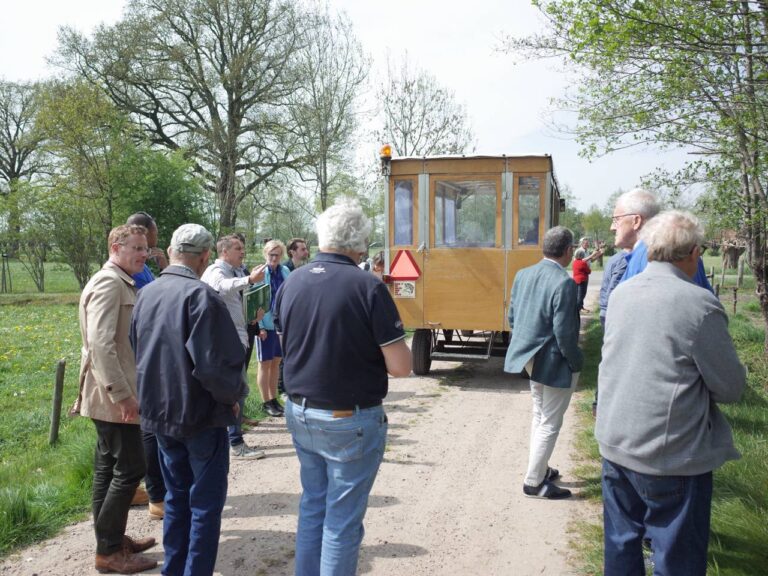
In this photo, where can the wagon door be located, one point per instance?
(464, 260)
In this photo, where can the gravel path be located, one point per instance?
(447, 501)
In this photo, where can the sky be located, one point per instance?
(507, 101)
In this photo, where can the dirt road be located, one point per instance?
(447, 501)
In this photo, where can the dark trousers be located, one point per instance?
(581, 294)
(118, 466)
(672, 511)
(195, 471)
(154, 477)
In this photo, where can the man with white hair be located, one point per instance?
(189, 365)
(666, 365)
(633, 209)
(341, 335)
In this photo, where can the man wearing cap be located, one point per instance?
(108, 397)
(189, 362)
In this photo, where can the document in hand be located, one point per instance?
(257, 296)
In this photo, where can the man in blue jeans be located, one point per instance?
(668, 360)
(341, 335)
(189, 363)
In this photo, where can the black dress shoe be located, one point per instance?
(546, 490)
(270, 409)
(278, 406)
(552, 474)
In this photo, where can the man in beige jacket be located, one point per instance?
(108, 396)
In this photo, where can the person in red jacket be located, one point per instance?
(581, 272)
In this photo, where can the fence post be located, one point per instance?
(735, 299)
(717, 290)
(740, 277)
(58, 392)
(722, 277)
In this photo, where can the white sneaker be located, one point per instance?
(245, 452)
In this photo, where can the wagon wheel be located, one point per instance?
(448, 336)
(421, 351)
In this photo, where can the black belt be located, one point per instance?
(307, 403)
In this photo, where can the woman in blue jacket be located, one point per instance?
(268, 344)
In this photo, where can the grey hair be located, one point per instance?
(672, 235)
(556, 241)
(580, 254)
(641, 202)
(343, 227)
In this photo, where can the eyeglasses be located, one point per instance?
(615, 219)
(274, 255)
(702, 248)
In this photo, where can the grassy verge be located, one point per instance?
(42, 487)
(739, 528)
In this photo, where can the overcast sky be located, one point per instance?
(506, 103)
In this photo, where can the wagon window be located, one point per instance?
(403, 212)
(465, 213)
(528, 188)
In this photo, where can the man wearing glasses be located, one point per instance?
(108, 396)
(632, 211)
(666, 366)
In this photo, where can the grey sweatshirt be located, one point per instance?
(668, 359)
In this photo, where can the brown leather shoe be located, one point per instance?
(122, 562)
(133, 545)
(156, 510)
(140, 497)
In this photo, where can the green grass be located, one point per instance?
(58, 279)
(42, 487)
(739, 527)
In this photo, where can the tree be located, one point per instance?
(324, 108)
(688, 73)
(20, 143)
(211, 78)
(571, 218)
(87, 138)
(420, 117)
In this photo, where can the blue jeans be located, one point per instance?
(195, 473)
(339, 459)
(672, 511)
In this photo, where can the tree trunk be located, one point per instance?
(731, 256)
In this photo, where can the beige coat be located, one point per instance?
(107, 363)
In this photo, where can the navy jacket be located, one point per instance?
(545, 325)
(189, 359)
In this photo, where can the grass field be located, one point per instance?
(42, 487)
(739, 528)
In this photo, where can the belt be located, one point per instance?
(307, 403)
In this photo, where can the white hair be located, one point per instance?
(672, 235)
(343, 227)
(641, 202)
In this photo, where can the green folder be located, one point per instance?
(255, 297)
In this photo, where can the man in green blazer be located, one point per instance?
(544, 321)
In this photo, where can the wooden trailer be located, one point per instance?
(458, 230)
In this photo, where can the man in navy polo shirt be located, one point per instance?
(341, 335)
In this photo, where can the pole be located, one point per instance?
(58, 392)
(735, 298)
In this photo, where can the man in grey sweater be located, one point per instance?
(668, 360)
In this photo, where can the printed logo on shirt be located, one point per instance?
(317, 269)
(399, 325)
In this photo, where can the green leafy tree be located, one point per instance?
(324, 108)
(211, 78)
(680, 73)
(21, 158)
